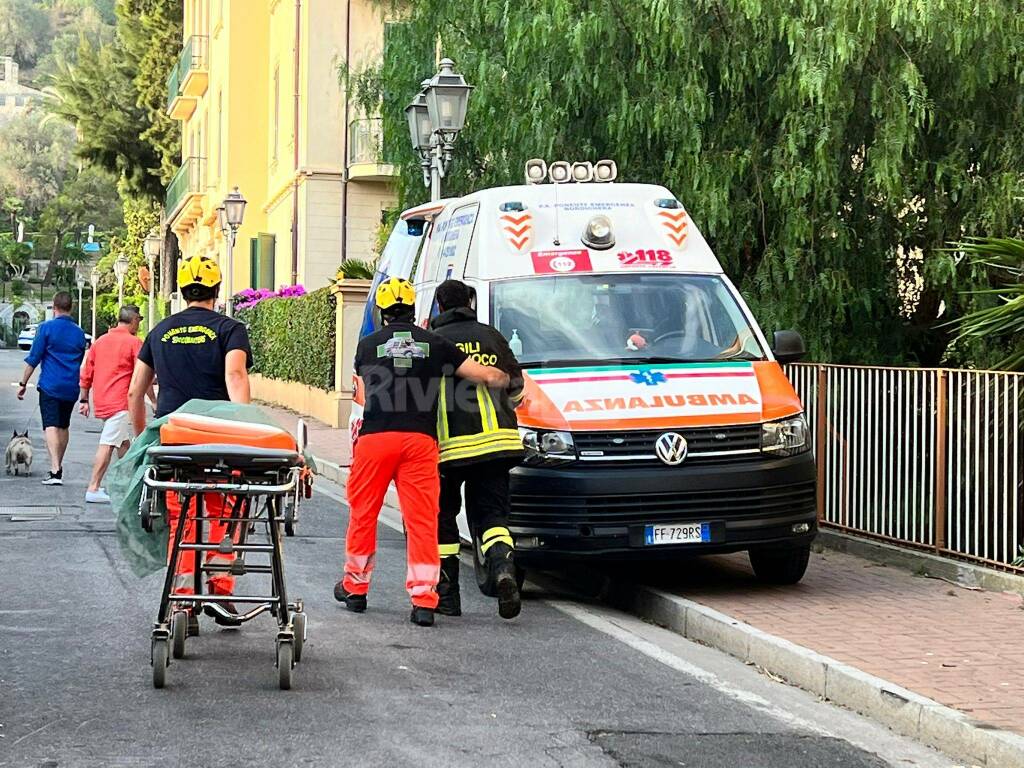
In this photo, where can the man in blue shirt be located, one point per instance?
(59, 347)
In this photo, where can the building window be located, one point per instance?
(277, 111)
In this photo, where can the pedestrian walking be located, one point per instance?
(57, 351)
(399, 370)
(478, 436)
(195, 354)
(106, 375)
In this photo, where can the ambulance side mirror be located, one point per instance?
(788, 346)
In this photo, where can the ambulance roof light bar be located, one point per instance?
(560, 172)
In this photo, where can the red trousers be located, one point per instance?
(410, 460)
(184, 577)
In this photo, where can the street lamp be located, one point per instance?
(80, 281)
(152, 247)
(120, 272)
(229, 218)
(435, 117)
(94, 278)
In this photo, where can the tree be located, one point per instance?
(24, 31)
(35, 159)
(828, 150)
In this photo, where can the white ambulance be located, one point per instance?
(658, 421)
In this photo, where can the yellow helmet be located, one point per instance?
(394, 291)
(199, 270)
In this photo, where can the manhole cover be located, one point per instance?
(28, 514)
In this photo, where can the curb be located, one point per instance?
(902, 710)
(921, 563)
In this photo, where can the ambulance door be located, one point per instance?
(397, 260)
(451, 252)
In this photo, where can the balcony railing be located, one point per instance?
(193, 59)
(366, 141)
(189, 180)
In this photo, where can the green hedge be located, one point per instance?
(293, 339)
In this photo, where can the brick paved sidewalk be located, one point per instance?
(963, 648)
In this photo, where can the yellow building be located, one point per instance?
(258, 94)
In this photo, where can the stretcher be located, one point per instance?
(259, 473)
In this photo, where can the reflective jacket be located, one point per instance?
(476, 423)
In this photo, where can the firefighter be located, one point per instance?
(479, 441)
(399, 370)
(202, 354)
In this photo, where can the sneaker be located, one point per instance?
(54, 478)
(422, 617)
(97, 497)
(355, 603)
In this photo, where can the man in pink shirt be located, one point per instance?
(108, 372)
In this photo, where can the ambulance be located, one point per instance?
(658, 421)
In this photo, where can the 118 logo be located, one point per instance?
(645, 258)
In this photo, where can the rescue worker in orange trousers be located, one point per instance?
(478, 436)
(195, 354)
(399, 371)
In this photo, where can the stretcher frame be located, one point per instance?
(267, 485)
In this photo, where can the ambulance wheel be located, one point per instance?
(299, 628)
(285, 662)
(159, 660)
(179, 631)
(785, 565)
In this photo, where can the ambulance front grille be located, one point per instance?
(705, 444)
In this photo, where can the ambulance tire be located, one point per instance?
(780, 565)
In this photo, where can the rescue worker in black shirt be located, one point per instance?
(478, 436)
(399, 373)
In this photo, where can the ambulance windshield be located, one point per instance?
(566, 318)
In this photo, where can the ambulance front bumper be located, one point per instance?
(575, 511)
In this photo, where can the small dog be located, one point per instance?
(19, 454)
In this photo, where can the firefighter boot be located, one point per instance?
(450, 601)
(503, 571)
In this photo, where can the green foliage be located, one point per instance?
(140, 216)
(293, 339)
(810, 141)
(114, 94)
(35, 161)
(24, 31)
(355, 269)
(999, 321)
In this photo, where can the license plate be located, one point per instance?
(680, 533)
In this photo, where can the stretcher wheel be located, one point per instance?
(285, 662)
(179, 631)
(299, 628)
(159, 660)
(289, 519)
(146, 519)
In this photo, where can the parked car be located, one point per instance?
(28, 335)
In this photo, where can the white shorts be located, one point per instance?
(116, 430)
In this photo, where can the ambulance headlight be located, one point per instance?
(544, 447)
(785, 438)
(598, 234)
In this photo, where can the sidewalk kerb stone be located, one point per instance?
(902, 710)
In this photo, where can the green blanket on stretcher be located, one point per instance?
(147, 552)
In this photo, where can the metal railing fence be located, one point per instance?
(920, 456)
(366, 141)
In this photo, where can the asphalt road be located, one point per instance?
(567, 684)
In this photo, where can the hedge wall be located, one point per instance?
(293, 338)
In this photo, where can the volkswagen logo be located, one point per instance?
(671, 448)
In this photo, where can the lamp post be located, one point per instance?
(152, 247)
(80, 282)
(230, 216)
(94, 278)
(120, 272)
(435, 117)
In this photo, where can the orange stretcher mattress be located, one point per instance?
(192, 429)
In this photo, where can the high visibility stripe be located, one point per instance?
(359, 568)
(463, 441)
(498, 530)
(503, 539)
(442, 413)
(447, 550)
(488, 420)
(483, 449)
